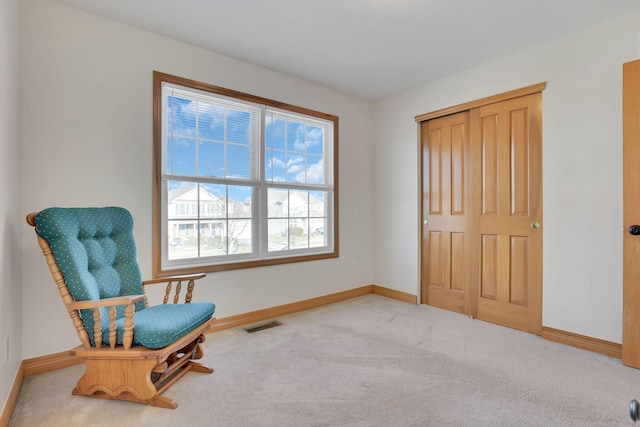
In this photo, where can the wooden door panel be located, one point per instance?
(511, 315)
(489, 266)
(500, 225)
(447, 280)
(506, 172)
(435, 171)
(458, 146)
(518, 280)
(446, 267)
(503, 261)
(458, 262)
(489, 147)
(436, 260)
(519, 163)
(445, 245)
(631, 214)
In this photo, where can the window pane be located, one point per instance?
(211, 122)
(227, 137)
(315, 170)
(275, 133)
(295, 168)
(208, 220)
(238, 124)
(184, 156)
(239, 202)
(211, 159)
(317, 204)
(225, 237)
(278, 235)
(299, 204)
(233, 235)
(298, 215)
(238, 161)
(182, 237)
(211, 240)
(295, 136)
(213, 201)
(315, 140)
(278, 166)
(239, 236)
(306, 145)
(179, 196)
(184, 117)
(278, 203)
(182, 241)
(317, 239)
(299, 233)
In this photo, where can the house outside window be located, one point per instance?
(240, 181)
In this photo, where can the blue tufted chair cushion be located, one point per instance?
(96, 253)
(160, 325)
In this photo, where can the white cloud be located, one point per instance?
(314, 173)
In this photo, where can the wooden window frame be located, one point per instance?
(157, 223)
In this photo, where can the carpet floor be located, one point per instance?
(369, 361)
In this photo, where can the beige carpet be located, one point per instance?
(370, 361)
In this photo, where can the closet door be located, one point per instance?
(506, 176)
(446, 213)
(631, 214)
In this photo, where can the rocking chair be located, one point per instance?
(131, 351)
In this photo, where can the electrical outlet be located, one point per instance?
(6, 349)
(354, 267)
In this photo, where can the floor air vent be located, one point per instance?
(263, 327)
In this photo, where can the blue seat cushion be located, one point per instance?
(161, 325)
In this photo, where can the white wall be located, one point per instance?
(11, 219)
(88, 134)
(582, 178)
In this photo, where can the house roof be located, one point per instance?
(184, 193)
(282, 195)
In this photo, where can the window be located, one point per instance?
(239, 181)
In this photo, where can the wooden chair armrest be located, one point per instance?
(127, 301)
(189, 278)
(105, 302)
(173, 278)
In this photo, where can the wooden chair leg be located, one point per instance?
(197, 353)
(199, 367)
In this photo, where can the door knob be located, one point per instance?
(634, 230)
(535, 225)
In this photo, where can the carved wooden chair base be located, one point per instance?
(158, 401)
(139, 375)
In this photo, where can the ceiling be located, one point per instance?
(367, 48)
